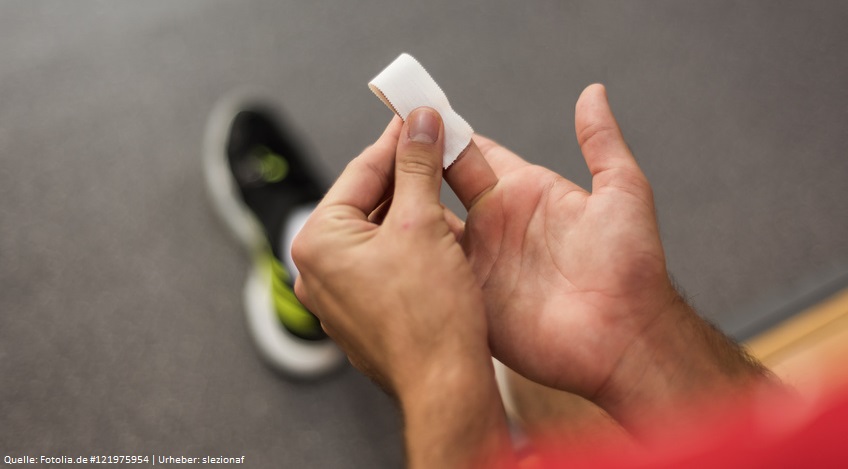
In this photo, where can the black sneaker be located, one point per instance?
(263, 187)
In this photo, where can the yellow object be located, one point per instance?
(810, 349)
(290, 310)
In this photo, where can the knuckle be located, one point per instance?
(300, 290)
(418, 162)
(596, 133)
(301, 250)
(627, 179)
(361, 164)
(633, 183)
(355, 164)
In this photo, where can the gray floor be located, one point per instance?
(120, 315)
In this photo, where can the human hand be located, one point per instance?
(395, 291)
(381, 267)
(575, 283)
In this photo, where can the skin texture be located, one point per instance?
(393, 288)
(575, 282)
(569, 276)
(567, 287)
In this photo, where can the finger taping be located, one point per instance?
(405, 85)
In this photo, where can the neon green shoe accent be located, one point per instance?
(272, 167)
(280, 272)
(289, 309)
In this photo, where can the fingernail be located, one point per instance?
(423, 125)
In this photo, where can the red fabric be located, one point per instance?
(780, 438)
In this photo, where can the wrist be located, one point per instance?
(429, 355)
(442, 371)
(453, 415)
(675, 371)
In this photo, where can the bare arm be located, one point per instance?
(455, 418)
(577, 293)
(680, 374)
(398, 295)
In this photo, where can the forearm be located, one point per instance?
(454, 418)
(683, 371)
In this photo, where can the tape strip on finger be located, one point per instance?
(405, 85)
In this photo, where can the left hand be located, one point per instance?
(575, 282)
(572, 280)
(396, 294)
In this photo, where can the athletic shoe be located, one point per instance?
(263, 188)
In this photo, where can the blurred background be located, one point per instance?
(121, 324)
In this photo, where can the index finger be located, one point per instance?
(363, 183)
(470, 176)
(502, 160)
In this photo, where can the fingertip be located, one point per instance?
(392, 131)
(418, 158)
(594, 90)
(395, 123)
(592, 97)
(424, 125)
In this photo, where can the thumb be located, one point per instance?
(604, 149)
(418, 162)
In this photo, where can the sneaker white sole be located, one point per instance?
(279, 348)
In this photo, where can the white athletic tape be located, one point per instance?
(404, 85)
